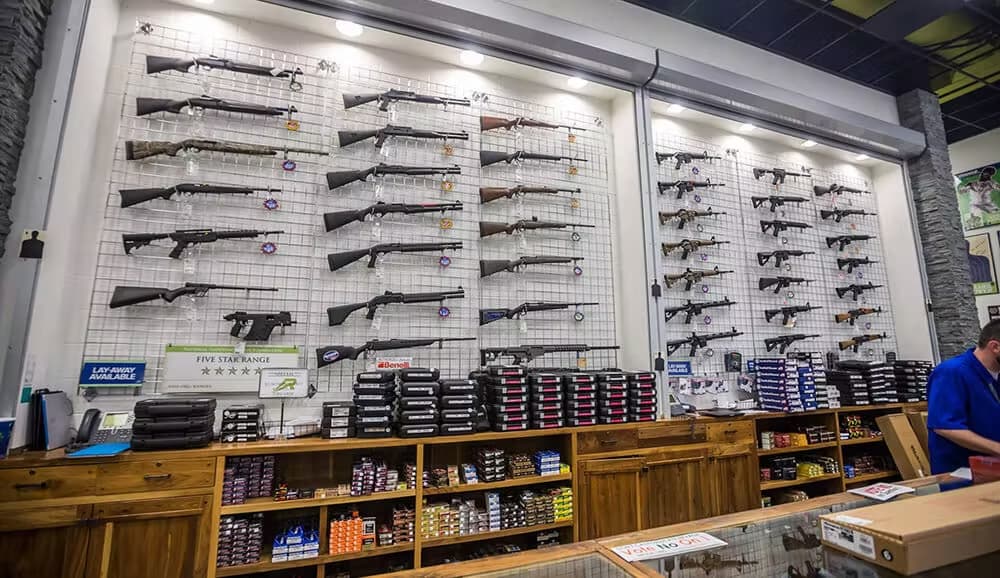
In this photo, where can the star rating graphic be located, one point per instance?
(230, 370)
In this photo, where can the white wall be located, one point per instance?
(651, 28)
(968, 154)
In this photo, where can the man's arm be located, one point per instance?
(970, 440)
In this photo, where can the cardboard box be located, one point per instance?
(921, 533)
(910, 458)
(918, 421)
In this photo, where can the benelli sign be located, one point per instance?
(672, 546)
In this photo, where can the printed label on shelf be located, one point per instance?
(672, 546)
(848, 539)
(678, 368)
(219, 368)
(391, 363)
(275, 383)
(112, 373)
(881, 491)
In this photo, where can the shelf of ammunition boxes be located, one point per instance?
(874, 476)
(270, 505)
(858, 441)
(317, 561)
(795, 449)
(775, 484)
(486, 486)
(444, 541)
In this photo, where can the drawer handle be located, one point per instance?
(730, 432)
(608, 442)
(156, 477)
(38, 486)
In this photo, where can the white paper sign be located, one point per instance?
(279, 383)
(672, 546)
(881, 491)
(221, 369)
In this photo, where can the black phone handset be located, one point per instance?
(88, 425)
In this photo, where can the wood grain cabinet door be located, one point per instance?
(735, 480)
(609, 497)
(50, 542)
(674, 488)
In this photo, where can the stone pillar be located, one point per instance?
(938, 221)
(22, 33)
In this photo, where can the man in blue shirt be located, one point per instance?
(963, 414)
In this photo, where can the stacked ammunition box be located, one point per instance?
(778, 385)
(338, 420)
(491, 464)
(911, 379)
(852, 387)
(247, 477)
(879, 378)
(241, 540)
(242, 423)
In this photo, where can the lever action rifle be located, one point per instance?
(186, 238)
(692, 276)
(495, 122)
(687, 246)
(685, 216)
(487, 158)
(341, 260)
(788, 313)
(492, 267)
(261, 324)
(488, 194)
(349, 137)
(775, 201)
(683, 158)
(525, 353)
(844, 240)
(334, 353)
(490, 315)
(156, 64)
(836, 189)
(855, 290)
(854, 343)
(145, 106)
(780, 256)
(338, 315)
(785, 341)
(141, 149)
(338, 219)
(128, 295)
(779, 283)
(779, 175)
(488, 228)
(852, 315)
(853, 263)
(685, 186)
(340, 178)
(384, 99)
(698, 341)
(691, 309)
(839, 214)
(779, 227)
(132, 197)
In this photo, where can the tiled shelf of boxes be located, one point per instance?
(428, 543)
(774, 485)
(487, 486)
(796, 449)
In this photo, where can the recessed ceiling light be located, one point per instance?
(348, 28)
(747, 127)
(576, 82)
(862, 157)
(471, 58)
(204, 1)
(675, 109)
(808, 144)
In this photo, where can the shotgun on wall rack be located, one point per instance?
(338, 314)
(188, 237)
(155, 64)
(489, 228)
(487, 158)
(146, 106)
(684, 158)
(520, 354)
(384, 99)
(349, 137)
(334, 353)
(495, 122)
(338, 219)
(125, 295)
(487, 316)
(492, 267)
(340, 260)
(140, 149)
(131, 197)
(489, 194)
(338, 179)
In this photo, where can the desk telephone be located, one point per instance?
(112, 427)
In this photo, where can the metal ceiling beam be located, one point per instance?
(897, 20)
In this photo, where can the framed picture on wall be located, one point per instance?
(981, 268)
(979, 197)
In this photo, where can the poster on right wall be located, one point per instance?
(981, 268)
(979, 197)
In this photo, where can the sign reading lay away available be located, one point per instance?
(672, 546)
(112, 373)
(220, 368)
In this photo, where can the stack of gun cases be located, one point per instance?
(338, 420)
(642, 396)
(374, 404)
(508, 398)
(612, 397)
(173, 424)
(546, 390)
(581, 398)
(460, 406)
(419, 402)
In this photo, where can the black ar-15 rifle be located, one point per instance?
(842, 241)
(775, 201)
(487, 158)
(132, 197)
(490, 315)
(337, 179)
(495, 122)
(492, 267)
(141, 149)
(156, 64)
(334, 353)
(839, 214)
(788, 313)
(337, 315)
(338, 219)
(853, 263)
(780, 256)
(488, 194)
(779, 175)
(698, 341)
(779, 283)
(836, 189)
(855, 290)
(145, 106)
(778, 227)
(341, 260)
(785, 341)
(349, 137)
(128, 295)
(683, 158)
(186, 238)
(261, 324)
(691, 309)
(488, 228)
(685, 186)
(524, 353)
(384, 99)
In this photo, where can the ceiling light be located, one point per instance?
(675, 109)
(747, 127)
(348, 28)
(471, 58)
(576, 82)
(204, 1)
(862, 157)
(808, 144)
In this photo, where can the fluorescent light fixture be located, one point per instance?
(471, 58)
(808, 144)
(576, 82)
(348, 28)
(747, 127)
(862, 157)
(675, 109)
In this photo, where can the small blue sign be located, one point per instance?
(678, 368)
(751, 366)
(112, 373)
